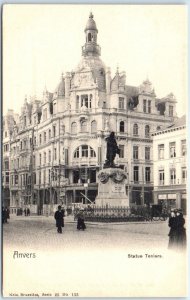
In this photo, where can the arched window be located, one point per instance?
(89, 37)
(84, 126)
(84, 151)
(122, 126)
(74, 128)
(135, 129)
(147, 131)
(93, 127)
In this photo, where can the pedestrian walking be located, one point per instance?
(28, 212)
(80, 220)
(3, 215)
(180, 230)
(25, 212)
(173, 230)
(59, 217)
(6, 215)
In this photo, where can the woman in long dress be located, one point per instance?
(173, 230)
(180, 230)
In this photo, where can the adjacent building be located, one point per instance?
(170, 165)
(58, 145)
(8, 124)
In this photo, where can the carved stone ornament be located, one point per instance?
(103, 177)
(118, 177)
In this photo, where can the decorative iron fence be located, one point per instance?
(121, 214)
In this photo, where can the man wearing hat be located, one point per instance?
(80, 220)
(59, 215)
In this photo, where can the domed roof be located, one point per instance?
(91, 24)
(60, 89)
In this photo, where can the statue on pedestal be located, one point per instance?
(112, 150)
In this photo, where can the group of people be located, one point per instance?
(5, 215)
(26, 211)
(177, 233)
(59, 217)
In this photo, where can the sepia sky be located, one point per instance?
(42, 41)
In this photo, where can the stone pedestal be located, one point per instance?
(112, 187)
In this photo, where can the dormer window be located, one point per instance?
(171, 111)
(86, 101)
(147, 106)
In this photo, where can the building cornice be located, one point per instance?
(168, 130)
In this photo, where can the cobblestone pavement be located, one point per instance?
(37, 231)
(91, 263)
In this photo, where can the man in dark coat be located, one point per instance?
(59, 215)
(112, 150)
(80, 220)
(3, 215)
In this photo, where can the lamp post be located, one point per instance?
(128, 193)
(142, 194)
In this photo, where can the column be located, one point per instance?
(99, 156)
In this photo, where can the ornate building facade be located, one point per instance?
(58, 144)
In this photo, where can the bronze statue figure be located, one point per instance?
(112, 150)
